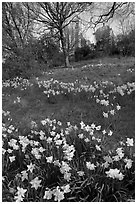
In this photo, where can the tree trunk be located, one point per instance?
(67, 64)
(66, 56)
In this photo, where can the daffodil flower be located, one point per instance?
(48, 194)
(90, 166)
(130, 142)
(59, 195)
(12, 158)
(31, 167)
(115, 173)
(35, 183)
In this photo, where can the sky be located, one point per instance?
(88, 33)
(113, 23)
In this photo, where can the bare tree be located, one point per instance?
(125, 25)
(56, 16)
(72, 37)
(125, 19)
(17, 25)
(110, 11)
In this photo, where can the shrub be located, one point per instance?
(56, 60)
(126, 44)
(82, 53)
(13, 67)
(22, 67)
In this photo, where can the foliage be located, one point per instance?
(126, 43)
(123, 44)
(48, 51)
(104, 38)
(42, 53)
(83, 53)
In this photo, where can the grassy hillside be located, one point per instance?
(96, 93)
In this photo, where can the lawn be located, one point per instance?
(68, 134)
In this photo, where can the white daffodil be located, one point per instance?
(130, 142)
(35, 183)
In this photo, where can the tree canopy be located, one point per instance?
(38, 30)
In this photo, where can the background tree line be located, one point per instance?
(40, 35)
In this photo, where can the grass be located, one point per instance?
(34, 105)
(73, 107)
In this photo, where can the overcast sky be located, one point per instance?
(99, 8)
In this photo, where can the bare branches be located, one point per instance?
(109, 13)
(16, 26)
(57, 16)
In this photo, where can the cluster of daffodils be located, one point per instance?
(95, 133)
(68, 151)
(95, 91)
(55, 87)
(18, 100)
(125, 88)
(17, 82)
(6, 113)
(115, 173)
(6, 117)
(50, 145)
(130, 70)
(57, 193)
(7, 129)
(20, 194)
(54, 146)
(111, 112)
